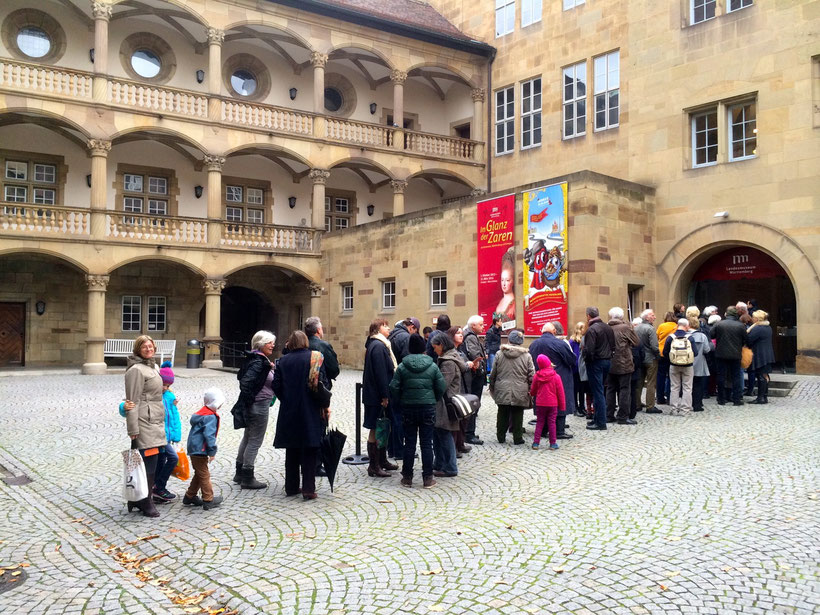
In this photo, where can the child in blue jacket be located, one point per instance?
(202, 450)
(168, 458)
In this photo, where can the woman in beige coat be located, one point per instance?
(145, 414)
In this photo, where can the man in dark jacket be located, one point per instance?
(400, 336)
(442, 324)
(563, 359)
(475, 353)
(315, 333)
(649, 339)
(599, 342)
(492, 341)
(730, 337)
(621, 368)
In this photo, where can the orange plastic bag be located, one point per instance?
(183, 468)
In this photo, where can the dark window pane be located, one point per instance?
(712, 153)
(536, 135)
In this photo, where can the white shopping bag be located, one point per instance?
(134, 481)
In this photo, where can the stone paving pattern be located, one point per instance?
(712, 513)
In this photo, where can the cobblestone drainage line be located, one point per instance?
(13, 481)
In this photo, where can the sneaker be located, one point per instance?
(429, 482)
(535, 446)
(654, 410)
(406, 482)
(163, 495)
(554, 447)
(208, 505)
(194, 501)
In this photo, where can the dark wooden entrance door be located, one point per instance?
(12, 334)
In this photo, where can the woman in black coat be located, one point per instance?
(300, 425)
(760, 341)
(379, 365)
(253, 406)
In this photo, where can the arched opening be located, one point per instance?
(723, 276)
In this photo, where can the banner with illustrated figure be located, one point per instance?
(496, 260)
(545, 257)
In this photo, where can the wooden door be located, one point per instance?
(12, 334)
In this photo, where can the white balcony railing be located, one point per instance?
(361, 133)
(44, 219)
(439, 145)
(270, 237)
(45, 79)
(267, 117)
(128, 225)
(162, 100)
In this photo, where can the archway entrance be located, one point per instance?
(742, 273)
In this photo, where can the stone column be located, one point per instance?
(214, 165)
(215, 40)
(99, 150)
(102, 15)
(315, 298)
(213, 298)
(477, 128)
(318, 60)
(94, 360)
(399, 186)
(319, 178)
(398, 77)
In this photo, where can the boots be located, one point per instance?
(237, 478)
(762, 391)
(248, 480)
(384, 463)
(374, 469)
(146, 505)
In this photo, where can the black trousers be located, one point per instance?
(620, 385)
(476, 388)
(303, 459)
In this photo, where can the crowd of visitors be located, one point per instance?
(424, 389)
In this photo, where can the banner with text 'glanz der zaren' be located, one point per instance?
(495, 254)
(545, 257)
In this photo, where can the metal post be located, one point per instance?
(358, 459)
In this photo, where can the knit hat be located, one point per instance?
(543, 361)
(516, 338)
(214, 398)
(166, 373)
(416, 345)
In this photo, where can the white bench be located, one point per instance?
(125, 348)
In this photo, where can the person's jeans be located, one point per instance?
(649, 380)
(395, 444)
(698, 391)
(510, 415)
(662, 381)
(545, 418)
(303, 459)
(418, 425)
(490, 361)
(444, 451)
(597, 371)
(618, 384)
(166, 463)
(680, 382)
(256, 423)
(730, 367)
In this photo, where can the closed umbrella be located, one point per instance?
(330, 451)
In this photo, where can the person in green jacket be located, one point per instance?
(417, 385)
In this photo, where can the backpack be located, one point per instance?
(681, 351)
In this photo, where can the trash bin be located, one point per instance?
(194, 354)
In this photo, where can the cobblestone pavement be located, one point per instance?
(712, 513)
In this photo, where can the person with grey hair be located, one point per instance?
(730, 337)
(562, 358)
(649, 338)
(252, 409)
(476, 354)
(599, 344)
(316, 340)
(681, 349)
(510, 381)
(619, 378)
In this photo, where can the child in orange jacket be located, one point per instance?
(548, 392)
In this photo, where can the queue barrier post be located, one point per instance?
(358, 459)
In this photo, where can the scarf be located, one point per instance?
(386, 342)
(316, 360)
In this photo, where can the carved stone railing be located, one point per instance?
(131, 226)
(267, 117)
(270, 237)
(45, 79)
(361, 133)
(162, 100)
(439, 145)
(44, 219)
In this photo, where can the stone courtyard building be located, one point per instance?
(202, 169)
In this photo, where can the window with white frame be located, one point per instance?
(347, 297)
(504, 17)
(389, 294)
(736, 5)
(145, 193)
(27, 181)
(575, 100)
(243, 201)
(704, 138)
(505, 121)
(571, 4)
(338, 211)
(156, 314)
(742, 131)
(131, 312)
(607, 90)
(702, 10)
(438, 290)
(530, 12)
(531, 113)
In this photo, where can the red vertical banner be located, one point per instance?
(496, 260)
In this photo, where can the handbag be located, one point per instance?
(183, 468)
(383, 426)
(461, 406)
(746, 357)
(134, 481)
(321, 396)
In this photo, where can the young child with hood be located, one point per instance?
(547, 391)
(173, 433)
(202, 450)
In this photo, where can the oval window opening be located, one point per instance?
(33, 42)
(243, 82)
(146, 63)
(333, 99)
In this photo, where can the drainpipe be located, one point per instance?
(489, 132)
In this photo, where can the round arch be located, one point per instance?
(362, 161)
(238, 151)
(183, 6)
(154, 130)
(274, 26)
(157, 257)
(422, 65)
(56, 255)
(456, 177)
(356, 45)
(269, 263)
(58, 124)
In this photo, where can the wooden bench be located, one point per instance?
(125, 348)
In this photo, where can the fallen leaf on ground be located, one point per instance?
(384, 501)
(674, 573)
(429, 572)
(473, 544)
(557, 569)
(663, 587)
(436, 608)
(58, 547)
(141, 538)
(673, 538)
(510, 526)
(593, 567)
(17, 574)
(174, 531)
(570, 552)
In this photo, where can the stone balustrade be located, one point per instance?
(267, 117)
(161, 100)
(169, 229)
(361, 133)
(439, 145)
(44, 219)
(270, 237)
(45, 79)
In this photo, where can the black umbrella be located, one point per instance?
(330, 451)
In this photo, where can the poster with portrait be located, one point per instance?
(496, 260)
(545, 257)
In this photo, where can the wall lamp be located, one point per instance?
(370, 209)
(40, 307)
(88, 180)
(293, 92)
(722, 214)
(291, 202)
(200, 76)
(91, 55)
(372, 108)
(197, 191)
